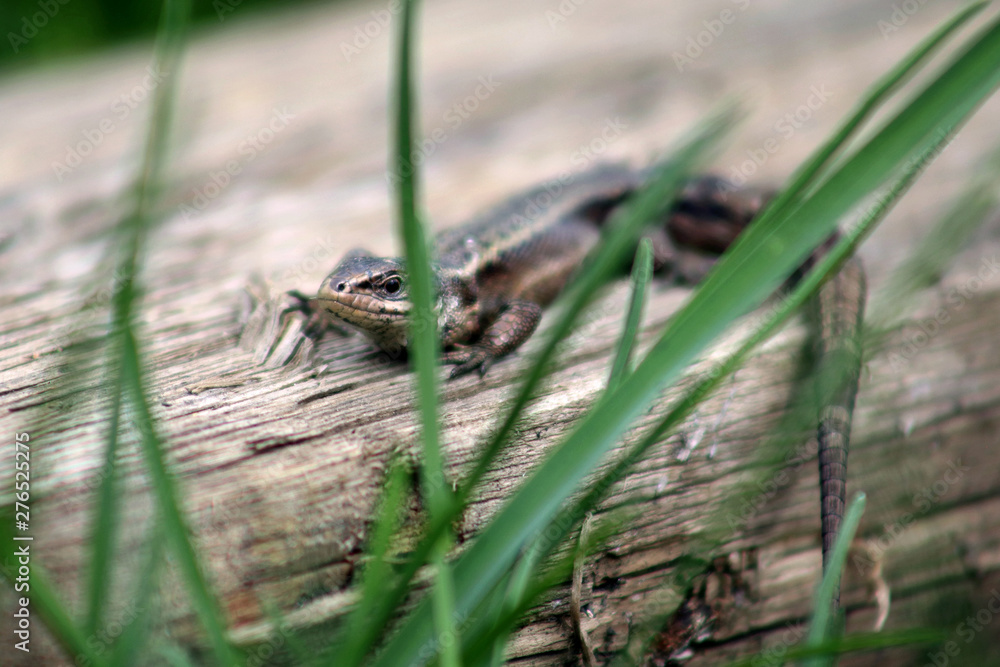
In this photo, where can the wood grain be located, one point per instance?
(280, 449)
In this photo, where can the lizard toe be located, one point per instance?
(300, 303)
(467, 360)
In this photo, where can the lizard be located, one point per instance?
(495, 274)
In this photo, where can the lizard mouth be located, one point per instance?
(362, 309)
(381, 321)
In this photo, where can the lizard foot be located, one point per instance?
(316, 325)
(301, 302)
(511, 327)
(468, 359)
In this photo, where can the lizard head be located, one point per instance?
(370, 294)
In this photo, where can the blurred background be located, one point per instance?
(517, 93)
(68, 28)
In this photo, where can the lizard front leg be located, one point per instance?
(512, 326)
(316, 324)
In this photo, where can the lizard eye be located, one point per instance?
(392, 285)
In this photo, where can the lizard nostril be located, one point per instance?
(341, 287)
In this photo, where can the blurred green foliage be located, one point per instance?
(37, 31)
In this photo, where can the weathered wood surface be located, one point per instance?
(280, 466)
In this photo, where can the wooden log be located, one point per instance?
(280, 449)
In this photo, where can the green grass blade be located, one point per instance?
(807, 175)
(611, 254)
(971, 78)
(423, 348)
(642, 270)
(773, 242)
(487, 639)
(376, 577)
(924, 267)
(174, 656)
(758, 261)
(867, 641)
(514, 597)
(656, 197)
(804, 177)
(135, 635)
(806, 287)
(133, 230)
(820, 630)
(45, 600)
(423, 343)
(469, 585)
(562, 526)
(879, 93)
(105, 521)
(167, 500)
(446, 626)
(46, 603)
(526, 567)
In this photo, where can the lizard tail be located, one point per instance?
(707, 217)
(841, 303)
